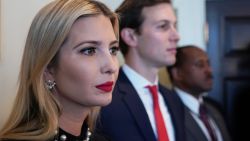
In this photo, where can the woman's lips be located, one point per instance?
(106, 87)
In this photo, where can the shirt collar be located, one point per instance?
(190, 101)
(137, 80)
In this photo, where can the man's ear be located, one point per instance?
(129, 36)
(176, 73)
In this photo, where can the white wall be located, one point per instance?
(16, 16)
(191, 21)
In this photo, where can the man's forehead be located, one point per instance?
(158, 12)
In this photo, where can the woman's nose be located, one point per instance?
(109, 64)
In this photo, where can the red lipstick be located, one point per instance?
(106, 87)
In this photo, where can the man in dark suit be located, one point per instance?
(191, 77)
(148, 39)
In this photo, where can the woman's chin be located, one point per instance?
(105, 101)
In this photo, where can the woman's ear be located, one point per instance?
(49, 79)
(129, 36)
(49, 74)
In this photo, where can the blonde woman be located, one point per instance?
(68, 71)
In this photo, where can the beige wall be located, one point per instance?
(16, 16)
(0, 32)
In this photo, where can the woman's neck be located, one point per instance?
(72, 123)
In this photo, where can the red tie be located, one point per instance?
(204, 118)
(160, 125)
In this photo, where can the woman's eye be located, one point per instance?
(114, 50)
(88, 51)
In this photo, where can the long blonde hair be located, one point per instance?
(35, 112)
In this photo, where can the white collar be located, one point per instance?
(137, 80)
(190, 101)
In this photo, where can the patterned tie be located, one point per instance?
(160, 125)
(204, 118)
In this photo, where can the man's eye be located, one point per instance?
(164, 26)
(88, 51)
(200, 65)
(114, 50)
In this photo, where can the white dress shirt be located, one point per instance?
(140, 83)
(193, 105)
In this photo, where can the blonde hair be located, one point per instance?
(35, 112)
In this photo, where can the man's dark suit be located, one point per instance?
(193, 130)
(125, 119)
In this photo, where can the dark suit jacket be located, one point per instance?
(193, 130)
(125, 119)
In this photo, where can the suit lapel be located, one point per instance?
(135, 105)
(192, 127)
(176, 111)
(218, 120)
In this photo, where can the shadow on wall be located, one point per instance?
(164, 78)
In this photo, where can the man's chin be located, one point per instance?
(171, 61)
